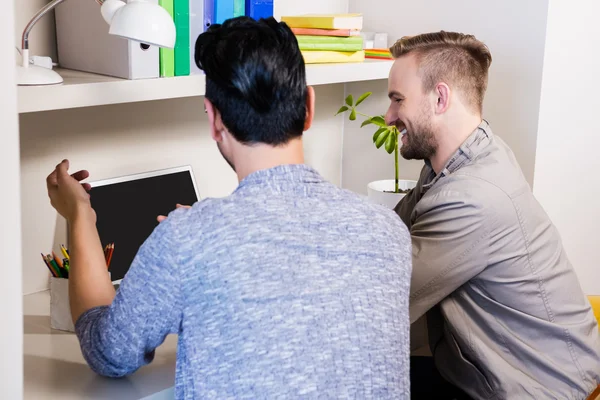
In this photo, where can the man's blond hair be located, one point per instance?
(457, 59)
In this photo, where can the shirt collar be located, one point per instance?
(282, 174)
(471, 148)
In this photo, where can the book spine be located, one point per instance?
(167, 56)
(309, 22)
(330, 46)
(239, 8)
(322, 57)
(197, 18)
(223, 10)
(181, 10)
(326, 32)
(258, 9)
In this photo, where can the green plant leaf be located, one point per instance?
(390, 143)
(363, 97)
(349, 100)
(377, 133)
(382, 138)
(379, 121)
(341, 110)
(353, 115)
(366, 122)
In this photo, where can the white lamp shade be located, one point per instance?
(140, 21)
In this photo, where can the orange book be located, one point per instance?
(325, 32)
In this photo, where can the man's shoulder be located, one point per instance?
(201, 213)
(496, 168)
(363, 204)
(466, 194)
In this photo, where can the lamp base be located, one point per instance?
(37, 76)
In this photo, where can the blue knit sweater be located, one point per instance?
(288, 288)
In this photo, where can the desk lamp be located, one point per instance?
(135, 20)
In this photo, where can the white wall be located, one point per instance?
(566, 181)
(40, 41)
(515, 32)
(11, 315)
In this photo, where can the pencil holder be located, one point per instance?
(60, 311)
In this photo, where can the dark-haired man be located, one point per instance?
(288, 288)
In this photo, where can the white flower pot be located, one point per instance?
(382, 192)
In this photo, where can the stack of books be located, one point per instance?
(328, 38)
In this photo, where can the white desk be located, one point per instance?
(54, 367)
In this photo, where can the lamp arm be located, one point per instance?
(48, 7)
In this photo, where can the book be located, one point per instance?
(350, 43)
(380, 54)
(325, 21)
(181, 13)
(223, 10)
(197, 17)
(326, 32)
(325, 56)
(239, 8)
(258, 9)
(167, 56)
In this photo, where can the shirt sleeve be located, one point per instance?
(450, 245)
(117, 340)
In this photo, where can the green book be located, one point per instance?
(167, 56)
(239, 8)
(331, 43)
(181, 15)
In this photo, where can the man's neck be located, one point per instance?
(258, 157)
(450, 141)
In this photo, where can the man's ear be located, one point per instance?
(442, 92)
(214, 120)
(310, 107)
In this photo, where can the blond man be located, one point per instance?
(507, 318)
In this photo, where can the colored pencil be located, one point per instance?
(54, 266)
(110, 253)
(48, 265)
(57, 260)
(63, 249)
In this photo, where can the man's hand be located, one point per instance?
(161, 218)
(67, 195)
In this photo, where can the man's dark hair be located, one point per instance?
(255, 78)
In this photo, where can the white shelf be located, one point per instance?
(54, 367)
(82, 89)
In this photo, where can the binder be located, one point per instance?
(181, 15)
(83, 44)
(239, 8)
(258, 9)
(209, 13)
(223, 10)
(197, 21)
(167, 56)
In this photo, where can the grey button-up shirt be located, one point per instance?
(506, 315)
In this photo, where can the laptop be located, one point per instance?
(126, 209)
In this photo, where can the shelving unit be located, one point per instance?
(82, 89)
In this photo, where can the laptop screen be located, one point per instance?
(127, 207)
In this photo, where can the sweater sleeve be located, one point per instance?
(117, 340)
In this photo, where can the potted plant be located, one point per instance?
(387, 192)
